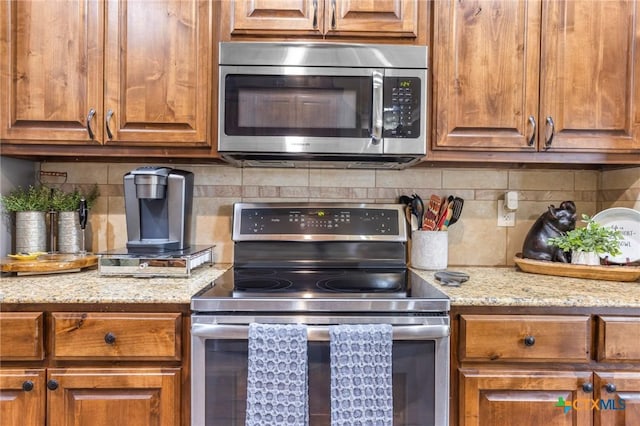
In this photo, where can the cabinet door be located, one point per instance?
(389, 18)
(51, 70)
(486, 62)
(618, 394)
(523, 398)
(22, 397)
(273, 17)
(107, 397)
(380, 18)
(157, 72)
(590, 74)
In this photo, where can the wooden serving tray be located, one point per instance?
(602, 272)
(49, 263)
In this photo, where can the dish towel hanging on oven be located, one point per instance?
(361, 381)
(277, 377)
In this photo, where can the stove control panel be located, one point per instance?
(359, 222)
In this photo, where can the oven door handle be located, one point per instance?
(319, 333)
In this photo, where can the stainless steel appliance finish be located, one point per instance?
(158, 205)
(303, 104)
(320, 265)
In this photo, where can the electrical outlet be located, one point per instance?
(505, 217)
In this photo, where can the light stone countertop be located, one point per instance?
(508, 286)
(487, 286)
(88, 287)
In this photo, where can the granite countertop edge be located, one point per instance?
(487, 286)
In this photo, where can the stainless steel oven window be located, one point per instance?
(219, 370)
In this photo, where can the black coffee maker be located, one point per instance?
(158, 205)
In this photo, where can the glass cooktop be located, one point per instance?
(270, 282)
(257, 289)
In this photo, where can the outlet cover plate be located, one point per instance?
(505, 217)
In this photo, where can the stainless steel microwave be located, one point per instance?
(297, 104)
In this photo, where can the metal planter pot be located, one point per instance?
(31, 232)
(69, 232)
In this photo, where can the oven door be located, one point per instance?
(219, 368)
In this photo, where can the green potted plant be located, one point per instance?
(588, 242)
(29, 199)
(62, 201)
(30, 205)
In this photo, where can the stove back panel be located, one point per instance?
(335, 254)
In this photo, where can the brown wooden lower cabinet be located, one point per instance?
(93, 368)
(522, 398)
(538, 368)
(22, 397)
(96, 397)
(620, 393)
(107, 397)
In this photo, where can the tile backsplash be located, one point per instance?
(474, 240)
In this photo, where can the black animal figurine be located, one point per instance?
(552, 223)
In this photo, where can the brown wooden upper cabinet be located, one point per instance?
(114, 72)
(321, 18)
(537, 75)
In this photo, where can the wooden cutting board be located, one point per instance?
(49, 263)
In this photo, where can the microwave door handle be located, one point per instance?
(376, 108)
(319, 333)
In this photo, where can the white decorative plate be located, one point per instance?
(626, 221)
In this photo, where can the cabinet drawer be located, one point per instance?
(21, 336)
(618, 338)
(121, 336)
(526, 338)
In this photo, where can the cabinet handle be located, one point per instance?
(610, 387)
(315, 14)
(587, 387)
(333, 14)
(109, 338)
(27, 386)
(529, 341)
(532, 139)
(107, 121)
(52, 384)
(550, 125)
(92, 113)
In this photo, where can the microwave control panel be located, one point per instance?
(402, 107)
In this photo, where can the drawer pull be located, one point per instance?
(587, 387)
(529, 341)
(52, 384)
(27, 386)
(610, 387)
(109, 338)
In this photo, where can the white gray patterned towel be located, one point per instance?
(361, 381)
(277, 378)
